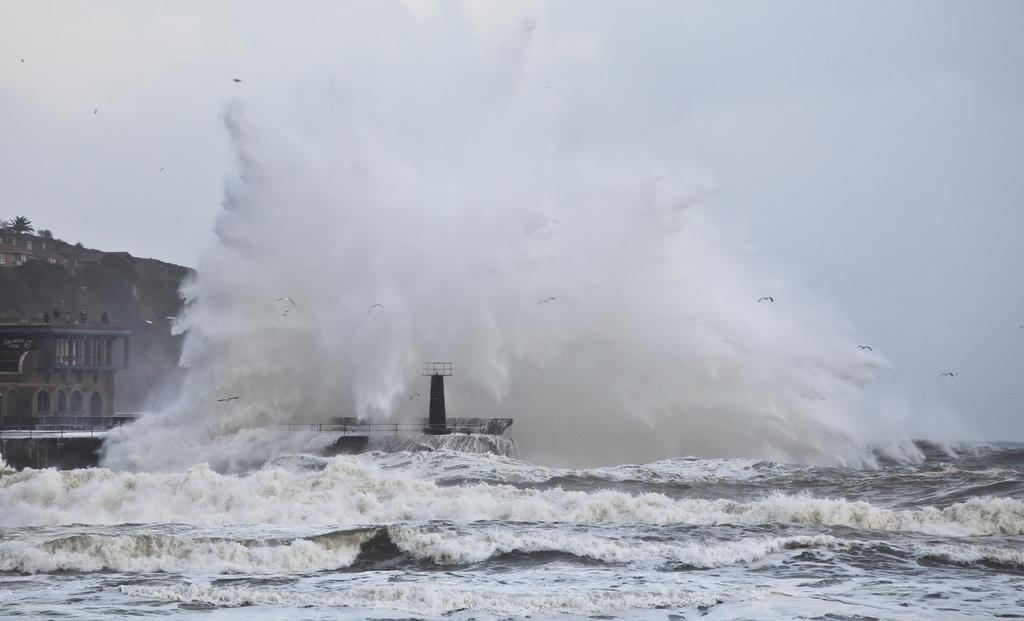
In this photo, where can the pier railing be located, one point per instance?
(66, 423)
(356, 427)
(48, 426)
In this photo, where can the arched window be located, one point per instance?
(62, 402)
(76, 403)
(96, 404)
(43, 402)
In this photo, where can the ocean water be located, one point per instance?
(446, 534)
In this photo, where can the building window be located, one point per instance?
(3, 259)
(78, 377)
(43, 402)
(76, 403)
(95, 378)
(62, 402)
(96, 404)
(28, 244)
(63, 349)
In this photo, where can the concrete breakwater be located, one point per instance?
(41, 450)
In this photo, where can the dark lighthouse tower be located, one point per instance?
(437, 424)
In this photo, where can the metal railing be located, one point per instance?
(49, 432)
(354, 427)
(57, 422)
(436, 368)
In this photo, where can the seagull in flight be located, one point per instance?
(546, 301)
(286, 298)
(867, 347)
(767, 297)
(148, 321)
(22, 60)
(373, 307)
(228, 398)
(235, 80)
(161, 169)
(949, 373)
(95, 110)
(413, 396)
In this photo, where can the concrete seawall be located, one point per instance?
(51, 452)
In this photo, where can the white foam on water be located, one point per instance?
(445, 547)
(445, 465)
(348, 491)
(152, 553)
(442, 545)
(434, 599)
(971, 554)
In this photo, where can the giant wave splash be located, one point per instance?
(457, 210)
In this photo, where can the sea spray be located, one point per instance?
(456, 210)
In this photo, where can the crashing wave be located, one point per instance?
(350, 491)
(439, 545)
(443, 545)
(434, 600)
(473, 443)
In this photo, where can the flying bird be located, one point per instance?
(767, 297)
(413, 396)
(949, 373)
(169, 318)
(161, 169)
(95, 110)
(148, 321)
(286, 298)
(235, 80)
(373, 307)
(22, 60)
(228, 398)
(867, 347)
(546, 301)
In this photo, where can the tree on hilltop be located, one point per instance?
(45, 233)
(22, 225)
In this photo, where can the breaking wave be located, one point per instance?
(339, 550)
(434, 600)
(349, 491)
(441, 545)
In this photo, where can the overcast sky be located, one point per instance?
(874, 149)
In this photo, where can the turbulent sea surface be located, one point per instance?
(463, 535)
